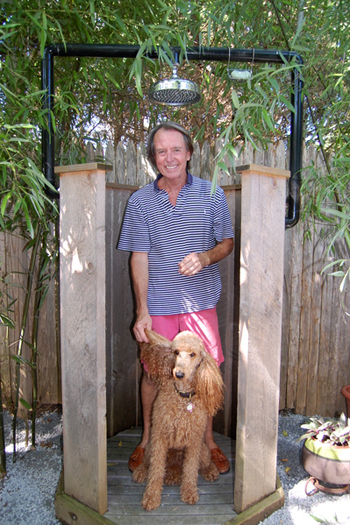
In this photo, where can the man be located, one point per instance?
(177, 231)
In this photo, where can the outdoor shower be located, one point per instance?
(188, 90)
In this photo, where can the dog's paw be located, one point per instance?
(189, 496)
(172, 478)
(210, 473)
(140, 474)
(151, 501)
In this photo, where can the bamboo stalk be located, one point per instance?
(37, 305)
(30, 278)
(34, 359)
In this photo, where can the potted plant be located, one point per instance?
(326, 451)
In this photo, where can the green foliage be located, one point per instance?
(6, 303)
(328, 431)
(25, 208)
(326, 195)
(107, 97)
(326, 203)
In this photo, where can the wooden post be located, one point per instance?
(83, 320)
(260, 326)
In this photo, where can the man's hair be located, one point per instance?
(172, 126)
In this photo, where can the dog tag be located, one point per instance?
(189, 407)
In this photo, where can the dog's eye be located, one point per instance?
(176, 352)
(192, 354)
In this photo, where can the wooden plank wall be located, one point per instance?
(14, 266)
(315, 361)
(123, 368)
(316, 342)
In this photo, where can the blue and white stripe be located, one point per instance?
(168, 233)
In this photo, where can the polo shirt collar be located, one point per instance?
(159, 176)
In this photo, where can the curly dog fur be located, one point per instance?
(190, 388)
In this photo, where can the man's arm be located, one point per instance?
(195, 262)
(139, 275)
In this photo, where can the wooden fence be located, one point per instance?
(315, 334)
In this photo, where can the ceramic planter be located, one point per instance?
(326, 463)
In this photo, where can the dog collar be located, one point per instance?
(186, 394)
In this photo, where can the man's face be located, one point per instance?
(171, 154)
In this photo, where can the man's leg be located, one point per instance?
(217, 456)
(148, 395)
(209, 438)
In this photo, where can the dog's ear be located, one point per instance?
(209, 385)
(155, 338)
(157, 354)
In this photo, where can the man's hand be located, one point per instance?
(193, 263)
(142, 322)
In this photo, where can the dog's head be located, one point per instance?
(189, 352)
(186, 361)
(196, 370)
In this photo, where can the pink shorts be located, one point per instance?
(204, 324)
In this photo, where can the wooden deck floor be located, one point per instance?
(215, 505)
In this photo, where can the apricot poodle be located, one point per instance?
(190, 388)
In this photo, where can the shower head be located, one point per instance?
(175, 91)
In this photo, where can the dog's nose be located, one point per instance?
(179, 375)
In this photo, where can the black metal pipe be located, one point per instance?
(296, 145)
(48, 137)
(195, 53)
(215, 54)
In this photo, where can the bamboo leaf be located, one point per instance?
(274, 84)
(34, 19)
(301, 49)
(268, 120)
(92, 12)
(337, 274)
(287, 103)
(235, 99)
(28, 219)
(333, 263)
(221, 165)
(4, 202)
(22, 360)
(25, 404)
(6, 321)
(337, 213)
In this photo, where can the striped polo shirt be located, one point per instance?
(168, 233)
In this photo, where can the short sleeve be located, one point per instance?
(222, 219)
(134, 236)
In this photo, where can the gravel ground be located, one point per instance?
(27, 492)
(300, 509)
